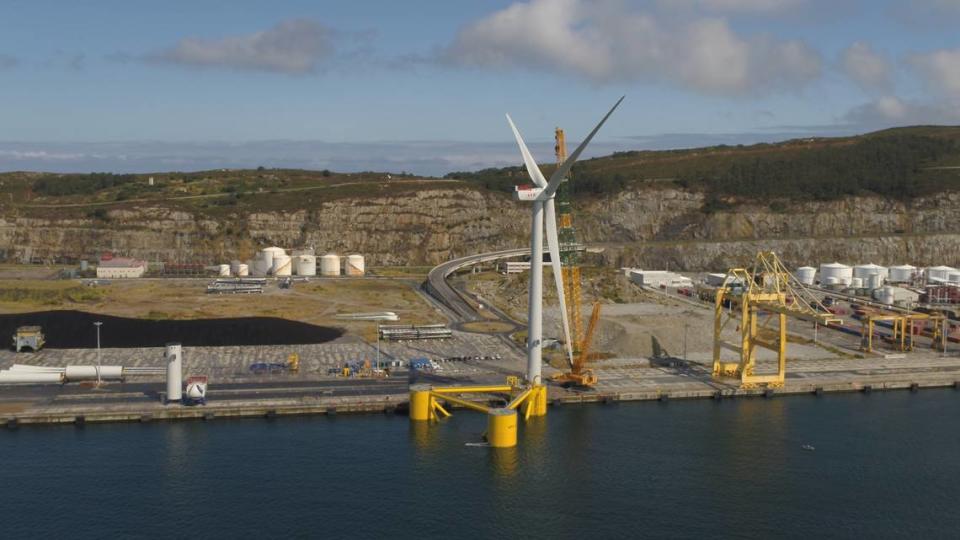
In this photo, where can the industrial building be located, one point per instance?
(658, 278)
(120, 267)
(517, 267)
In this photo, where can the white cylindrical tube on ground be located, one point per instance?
(27, 367)
(31, 377)
(174, 357)
(79, 373)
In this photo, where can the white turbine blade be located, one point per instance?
(532, 169)
(562, 170)
(553, 244)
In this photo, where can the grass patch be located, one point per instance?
(50, 296)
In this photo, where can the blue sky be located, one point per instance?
(422, 85)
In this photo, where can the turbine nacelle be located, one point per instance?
(529, 194)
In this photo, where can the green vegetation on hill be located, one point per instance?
(899, 163)
(58, 185)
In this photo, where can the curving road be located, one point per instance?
(452, 299)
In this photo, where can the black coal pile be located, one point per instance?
(75, 330)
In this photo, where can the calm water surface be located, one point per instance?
(885, 465)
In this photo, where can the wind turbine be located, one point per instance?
(541, 195)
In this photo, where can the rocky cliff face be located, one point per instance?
(651, 228)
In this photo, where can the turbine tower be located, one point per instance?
(544, 213)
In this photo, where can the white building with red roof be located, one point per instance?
(120, 267)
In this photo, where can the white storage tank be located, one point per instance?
(174, 357)
(224, 270)
(886, 297)
(940, 273)
(874, 282)
(863, 271)
(305, 265)
(953, 278)
(901, 273)
(330, 265)
(267, 254)
(235, 267)
(243, 270)
(261, 267)
(354, 265)
(856, 283)
(806, 274)
(830, 281)
(841, 272)
(282, 265)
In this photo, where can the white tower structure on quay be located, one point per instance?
(544, 213)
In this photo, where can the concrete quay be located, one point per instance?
(631, 380)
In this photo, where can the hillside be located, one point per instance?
(889, 197)
(900, 163)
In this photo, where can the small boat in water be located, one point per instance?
(808, 448)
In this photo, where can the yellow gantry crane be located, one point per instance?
(754, 298)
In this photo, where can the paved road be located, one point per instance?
(452, 299)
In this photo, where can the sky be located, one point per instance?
(422, 85)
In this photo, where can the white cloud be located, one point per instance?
(295, 46)
(941, 70)
(866, 67)
(745, 6)
(888, 111)
(608, 42)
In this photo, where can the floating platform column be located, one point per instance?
(420, 403)
(502, 428)
(537, 402)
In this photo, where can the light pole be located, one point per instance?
(98, 324)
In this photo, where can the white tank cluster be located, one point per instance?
(274, 261)
(836, 274)
(864, 271)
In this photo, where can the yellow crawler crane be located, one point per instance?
(767, 292)
(579, 375)
(568, 249)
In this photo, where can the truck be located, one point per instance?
(30, 337)
(421, 364)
